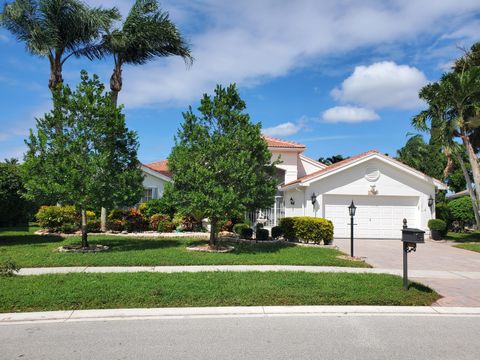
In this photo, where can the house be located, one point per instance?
(384, 190)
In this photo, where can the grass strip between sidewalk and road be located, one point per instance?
(143, 290)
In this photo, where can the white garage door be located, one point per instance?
(377, 217)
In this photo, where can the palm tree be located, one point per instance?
(146, 33)
(332, 159)
(56, 29)
(453, 115)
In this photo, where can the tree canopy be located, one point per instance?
(220, 162)
(92, 161)
(332, 159)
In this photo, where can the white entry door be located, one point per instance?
(376, 217)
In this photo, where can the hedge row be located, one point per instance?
(303, 228)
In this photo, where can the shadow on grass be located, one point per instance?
(420, 287)
(29, 239)
(23, 228)
(249, 248)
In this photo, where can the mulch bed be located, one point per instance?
(214, 249)
(80, 249)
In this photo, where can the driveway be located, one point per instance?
(432, 255)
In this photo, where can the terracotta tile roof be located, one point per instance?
(333, 166)
(160, 167)
(279, 143)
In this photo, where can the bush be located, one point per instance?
(437, 225)
(261, 234)
(156, 206)
(226, 226)
(8, 267)
(165, 226)
(307, 229)
(276, 232)
(58, 218)
(190, 223)
(246, 233)
(237, 228)
(461, 210)
(156, 219)
(442, 212)
(129, 220)
(93, 225)
(116, 225)
(178, 221)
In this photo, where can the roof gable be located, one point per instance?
(279, 143)
(160, 167)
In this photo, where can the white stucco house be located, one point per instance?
(384, 190)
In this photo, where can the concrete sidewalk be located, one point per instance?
(232, 311)
(452, 275)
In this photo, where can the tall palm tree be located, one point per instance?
(453, 114)
(56, 29)
(146, 33)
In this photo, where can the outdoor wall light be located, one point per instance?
(292, 202)
(351, 209)
(314, 198)
(430, 201)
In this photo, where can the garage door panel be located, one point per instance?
(376, 216)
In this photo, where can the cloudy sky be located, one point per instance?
(341, 77)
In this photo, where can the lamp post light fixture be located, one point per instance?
(351, 211)
(314, 199)
(430, 201)
(292, 202)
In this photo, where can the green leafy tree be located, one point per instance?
(92, 161)
(461, 210)
(332, 159)
(56, 29)
(147, 33)
(220, 162)
(14, 209)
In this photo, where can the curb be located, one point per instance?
(233, 311)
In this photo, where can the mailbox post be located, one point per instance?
(410, 238)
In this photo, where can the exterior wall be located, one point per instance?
(153, 182)
(306, 167)
(352, 181)
(288, 163)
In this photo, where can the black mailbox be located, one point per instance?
(410, 235)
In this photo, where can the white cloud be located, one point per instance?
(3, 37)
(382, 84)
(349, 114)
(251, 41)
(284, 129)
(21, 127)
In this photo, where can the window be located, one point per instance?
(147, 195)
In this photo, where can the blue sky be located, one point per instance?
(341, 77)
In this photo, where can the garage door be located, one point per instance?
(377, 217)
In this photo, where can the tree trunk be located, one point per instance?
(55, 72)
(84, 229)
(103, 220)
(116, 82)
(213, 232)
(470, 190)
(472, 157)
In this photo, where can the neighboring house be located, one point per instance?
(384, 190)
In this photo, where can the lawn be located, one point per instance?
(135, 290)
(468, 241)
(471, 247)
(29, 250)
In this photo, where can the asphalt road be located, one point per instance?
(281, 337)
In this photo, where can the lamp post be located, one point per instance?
(430, 201)
(351, 210)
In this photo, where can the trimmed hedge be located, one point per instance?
(276, 232)
(246, 233)
(461, 210)
(307, 229)
(437, 225)
(237, 228)
(58, 218)
(261, 234)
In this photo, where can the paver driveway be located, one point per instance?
(432, 255)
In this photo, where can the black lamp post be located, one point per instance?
(430, 201)
(351, 210)
(314, 199)
(292, 202)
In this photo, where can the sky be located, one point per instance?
(340, 76)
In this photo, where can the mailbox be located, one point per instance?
(414, 236)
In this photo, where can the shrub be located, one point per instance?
(437, 225)
(461, 210)
(8, 267)
(165, 226)
(156, 206)
(116, 225)
(190, 223)
(156, 219)
(178, 221)
(226, 226)
(58, 218)
(442, 212)
(261, 234)
(93, 225)
(307, 229)
(237, 228)
(259, 226)
(276, 232)
(246, 233)
(130, 220)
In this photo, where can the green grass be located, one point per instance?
(464, 237)
(130, 290)
(29, 250)
(471, 247)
